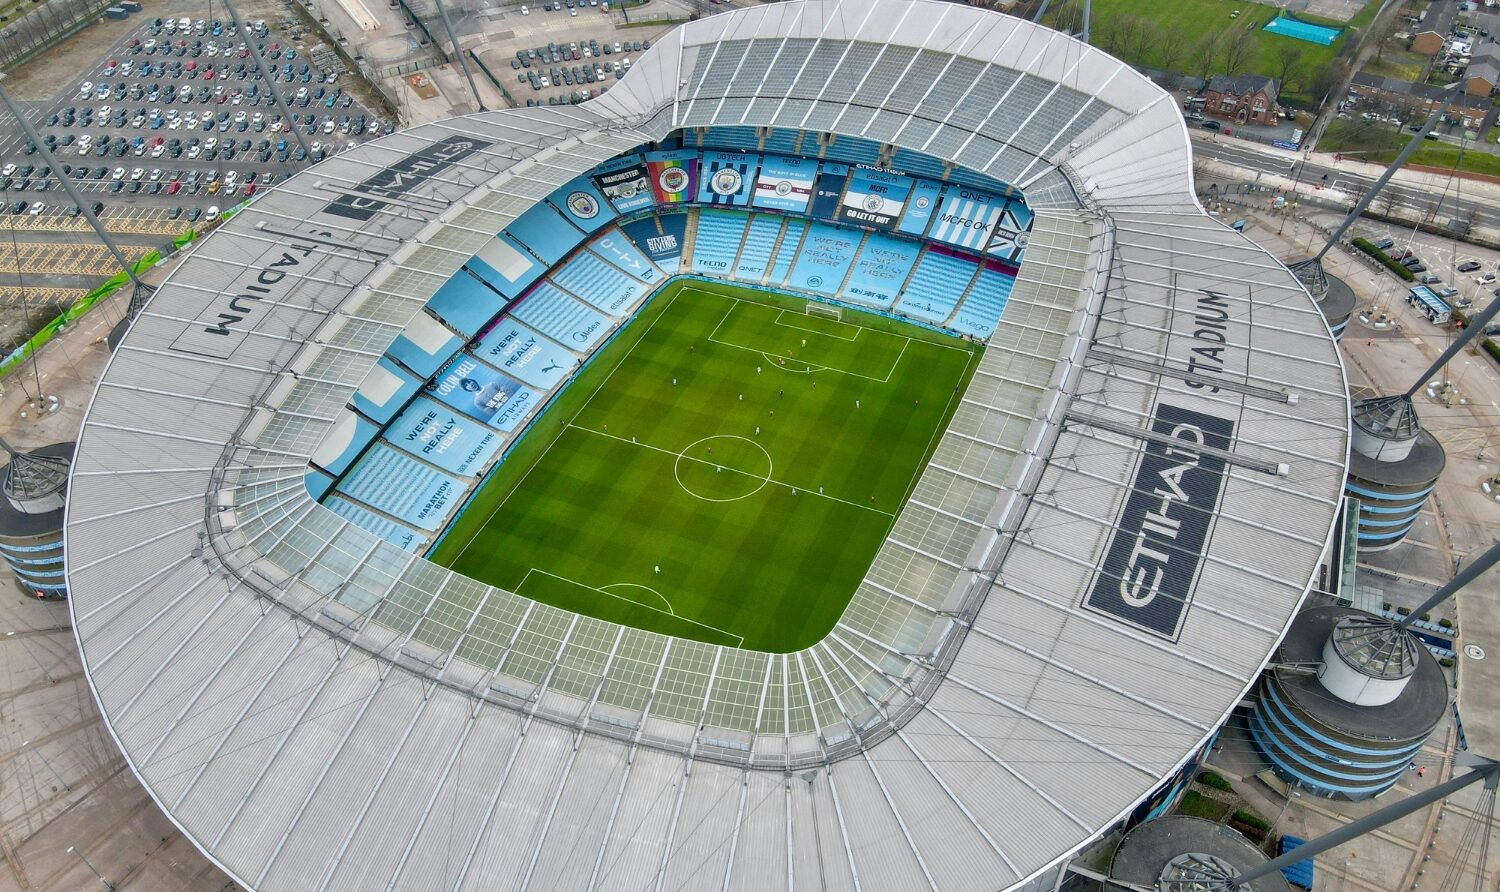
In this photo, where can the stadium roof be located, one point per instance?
(990, 701)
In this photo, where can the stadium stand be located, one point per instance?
(786, 253)
(732, 138)
(562, 318)
(853, 150)
(760, 241)
(936, 286)
(588, 277)
(917, 163)
(717, 242)
(883, 266)
(546, 234)
(784, 141)
(981, 309)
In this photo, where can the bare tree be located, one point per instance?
(1382, 30)
(1142, 40)
(1239, 44)
(1169, 53)
(1288, 60)
(1206, 54)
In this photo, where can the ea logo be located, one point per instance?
(814, 281)
(672, 179)
(874, 203)
(725, 181)
(783, 188)
(583, 205)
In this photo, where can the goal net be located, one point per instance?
(820, 309)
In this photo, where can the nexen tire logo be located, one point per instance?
(1152, 561)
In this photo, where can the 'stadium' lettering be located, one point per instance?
(243, 303)
(1210, 337)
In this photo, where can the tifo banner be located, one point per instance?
(517, 350)
(726, 178)
(390, 481)
(661, 238)
(967, 217)
(479, 391)
(827, 189)
(920, 207)
(674, 176)
(826, 254)
(626, 183)
(617, 249)
(387, 529)
(582, 204)
(875, 198)
(443, 437)
(1012, 233)
(785, 183)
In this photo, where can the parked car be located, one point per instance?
(1468, 266)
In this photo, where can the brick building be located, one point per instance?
(1242, 98)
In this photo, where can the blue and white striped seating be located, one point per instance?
(981, 310)
(561, 318)
(597, 282)
(791, 243)
(755, 256)
(717, 242)
(935, 287)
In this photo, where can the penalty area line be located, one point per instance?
(740, 639)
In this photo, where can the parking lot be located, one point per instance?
(174, 122)
(1471, 274)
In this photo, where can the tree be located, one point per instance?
(1205, 54)
(1239, 45)
(1142, 39)
(1169, 53)
(1288, 59)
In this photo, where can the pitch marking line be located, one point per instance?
(608, 594)
(764, 479)
(538, 460)
(811, 367)
(854, 337)
(680, 456)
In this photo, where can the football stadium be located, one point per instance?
(842, 456)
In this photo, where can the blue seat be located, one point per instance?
(561, 318)
(755, 256)
(791, 243)
(717, 242)
(981, 310)
(588, 277)
(936, 286)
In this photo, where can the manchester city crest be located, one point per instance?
(583, 205)
(726, 181)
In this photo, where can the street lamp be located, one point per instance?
(73, 850)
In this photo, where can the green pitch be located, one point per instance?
(724, 470)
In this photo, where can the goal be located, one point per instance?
(815, 308)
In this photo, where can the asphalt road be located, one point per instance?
(1288, 164)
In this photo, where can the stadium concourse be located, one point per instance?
(1108, 541)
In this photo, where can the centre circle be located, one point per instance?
(723, 468)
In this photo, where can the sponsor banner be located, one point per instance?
(967, 217)
(1284, 144)
(785, 183)
(385, 390)
(343, 443)
(674, 176)
(465, 304)
(883, 267)
(875, 198)
(424, 345)
(387, 529)
(443, 437)
(920, 207)
(661, 238)
(363, 200)
(522, 353)
(505, 266)
(626, 183)
(618, 250)
(388, 480)
(826, 254)
(1148, 571)
(827, 189)
(726, 178)
(582, 204)
(479, 391)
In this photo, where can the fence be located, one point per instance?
(46, 25)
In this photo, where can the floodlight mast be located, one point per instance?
(1405, 153)
(67, 185)
(1465, 576)
(1486, 771)
(1477, 324)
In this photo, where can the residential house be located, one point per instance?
(1483, 74)
(1430, 35)
(1242, 98)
